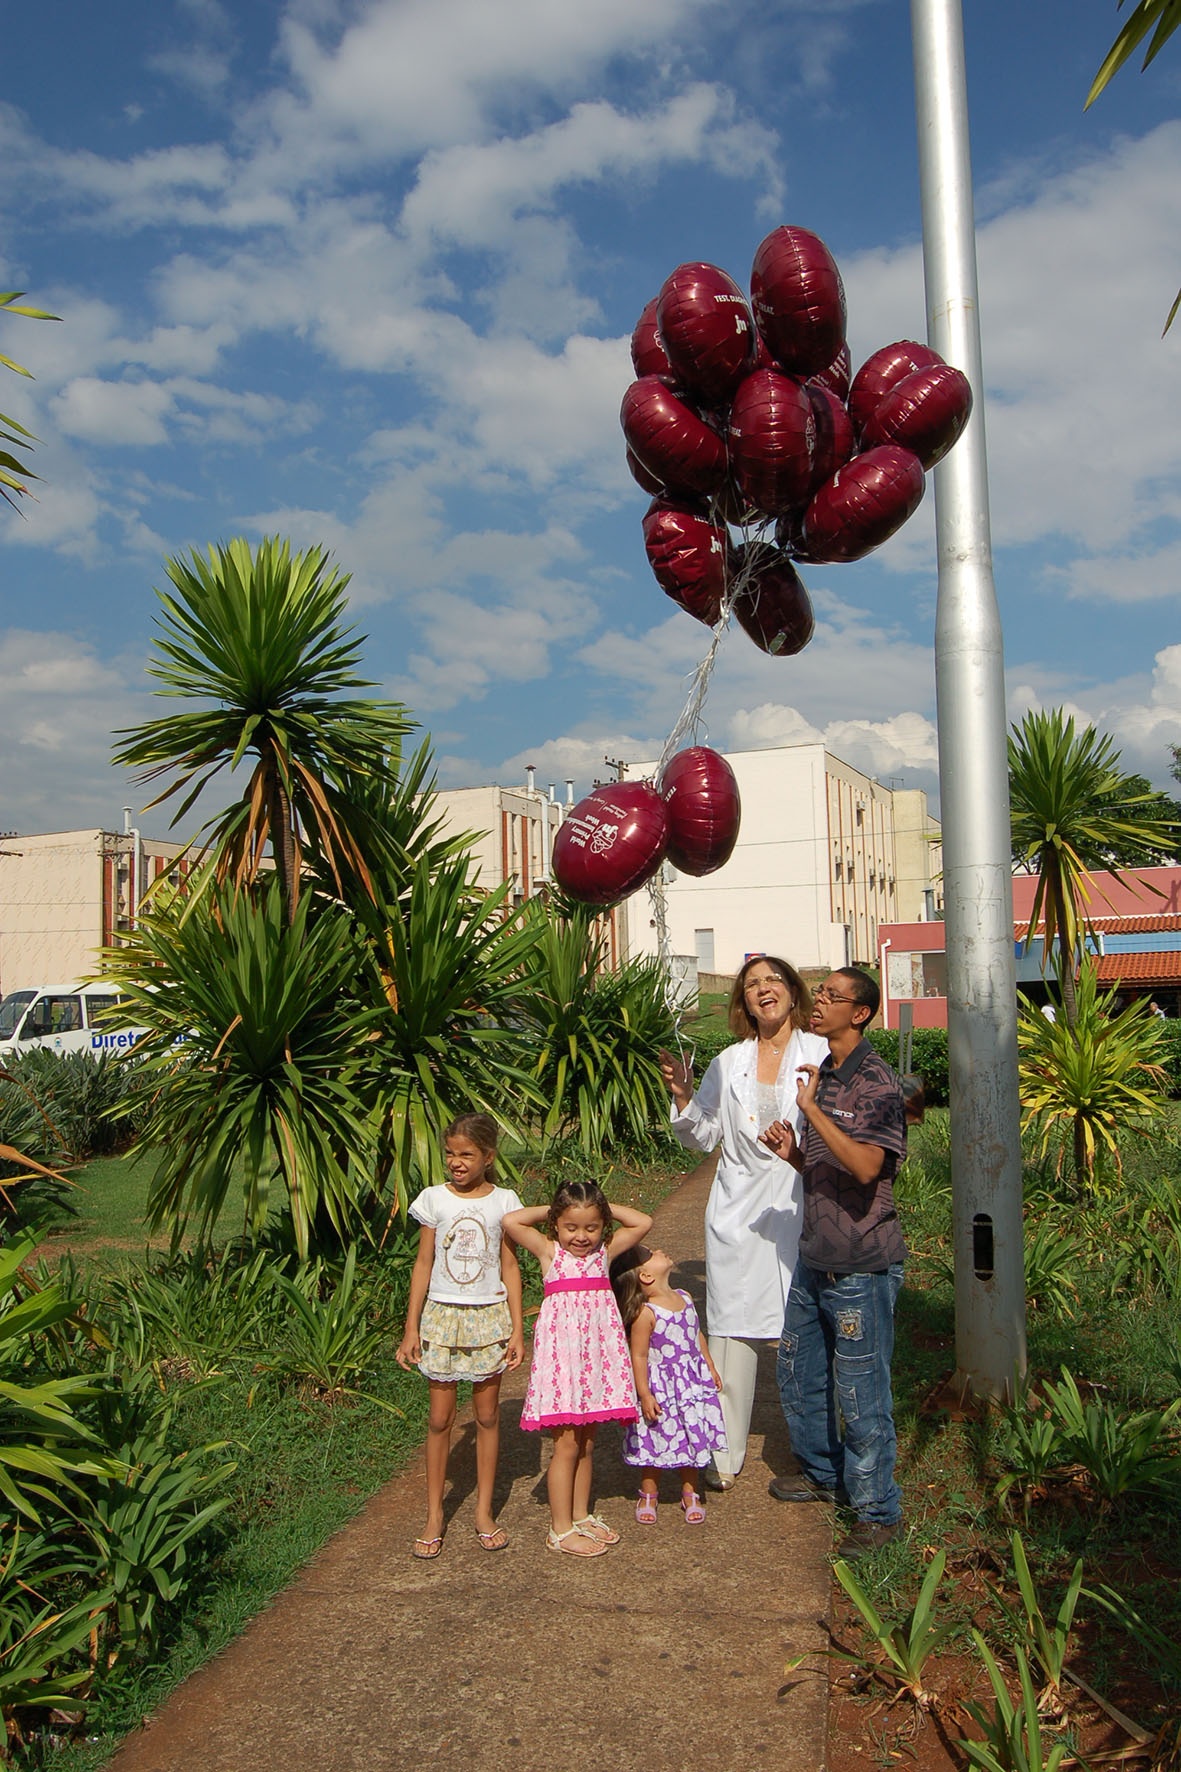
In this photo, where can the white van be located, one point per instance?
(62, 1018)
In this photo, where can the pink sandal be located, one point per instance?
(692, 1508)
(646, 1509)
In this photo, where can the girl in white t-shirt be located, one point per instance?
(463, 1321)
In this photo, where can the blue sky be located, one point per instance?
(364, 272)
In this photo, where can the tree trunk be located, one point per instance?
(283, 845)
(1066, 955)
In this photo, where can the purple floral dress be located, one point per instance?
(582, 1369)
(690, 1428)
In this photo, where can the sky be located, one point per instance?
(364, 273)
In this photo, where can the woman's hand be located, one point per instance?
(678, 1078)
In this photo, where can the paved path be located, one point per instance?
(666, 1655)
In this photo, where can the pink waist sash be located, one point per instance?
(594, 1283)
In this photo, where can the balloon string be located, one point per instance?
(688, 724)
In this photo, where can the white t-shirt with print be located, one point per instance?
(467, 1243)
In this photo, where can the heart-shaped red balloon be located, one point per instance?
(611, 842)
(863, 504)
(798, 300)
(835, 441)
(925, 412)
(649, 356)
(704, 810)
(706, 329)
(771, 442)
(773, 607)
(675, 445)
(687, 552)
(838, 375)
(879, 373)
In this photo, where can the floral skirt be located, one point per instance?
(464, 1342)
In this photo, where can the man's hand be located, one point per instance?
(781, 1139)
(807, 1083)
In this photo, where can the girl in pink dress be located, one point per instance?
(581, 1372)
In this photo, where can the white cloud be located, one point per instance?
(1142, 713)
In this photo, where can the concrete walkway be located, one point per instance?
(666, 1655)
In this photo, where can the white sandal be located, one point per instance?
(595, 1527)
(556, 1541)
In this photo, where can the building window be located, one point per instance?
(704, 943)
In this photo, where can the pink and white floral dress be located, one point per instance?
(582, 1370)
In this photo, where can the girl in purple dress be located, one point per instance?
(681, 1426)
(581, 1374)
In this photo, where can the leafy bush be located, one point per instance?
(928, 1057)
(596, 1033)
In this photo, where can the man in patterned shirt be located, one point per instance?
(838, 1331)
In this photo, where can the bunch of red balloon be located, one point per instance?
(745, 415)
(616, 838)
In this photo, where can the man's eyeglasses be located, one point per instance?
(823, 995)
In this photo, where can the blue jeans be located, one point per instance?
(836, 1348)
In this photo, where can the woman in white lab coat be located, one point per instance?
(752, 1220)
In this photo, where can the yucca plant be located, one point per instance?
(255, 1046)
(442, 976)
(39, 1636)
(1053, 1261)
(141, 1517)
(258, 639)
(1084, 1085)
(192, 1317)
(330, 1331)
(44, 1447)
(1044, 1641)
(597, 1033)
(1124, 1455)
(1014, 1737)
(907, 1643)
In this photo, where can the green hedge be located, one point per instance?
(928, 1057)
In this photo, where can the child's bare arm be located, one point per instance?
(708, 1358)
(521, 1226)
(633, 1228)
(510, 1273)
(638, 1340)
(409, 1350)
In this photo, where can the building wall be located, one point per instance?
(813, 872)
(63, 896)
(511, 841)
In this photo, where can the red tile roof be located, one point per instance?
(1123, 925)
(1140, 969)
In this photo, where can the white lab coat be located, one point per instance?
(754, 1213)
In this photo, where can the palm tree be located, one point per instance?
(261, 636)
(1072, 810)
(13, 471)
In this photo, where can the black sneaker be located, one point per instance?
(866, 1538)
(801, 1488)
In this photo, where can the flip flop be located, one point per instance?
(427, 1549)
(691, 1507)
(495, 1540)
(645, 1509)
(556, 1541)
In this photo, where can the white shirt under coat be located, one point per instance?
(754, 1213)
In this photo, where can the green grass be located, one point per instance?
(109, 1201)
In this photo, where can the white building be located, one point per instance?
(66, 894)
(824, 855)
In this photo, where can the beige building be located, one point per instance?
(825, 853)
(65, 895)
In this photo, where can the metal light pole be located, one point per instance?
(973, 768)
